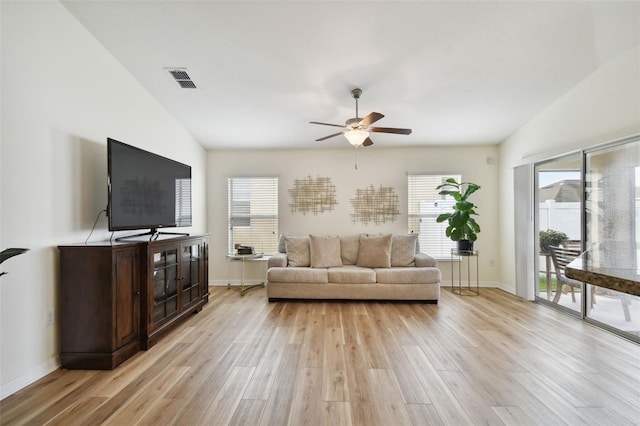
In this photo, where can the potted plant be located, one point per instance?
(10, 252)
(462, 226)
(551, 238)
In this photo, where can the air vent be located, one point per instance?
(182, 77)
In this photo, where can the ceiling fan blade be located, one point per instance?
(330, 136)
(371, 118)
(390, 130)
(327, 124)
(367, 142)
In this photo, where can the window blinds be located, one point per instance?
(425, 205)
(253, 213)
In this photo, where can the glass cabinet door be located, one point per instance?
(191, 261)
(165, 284)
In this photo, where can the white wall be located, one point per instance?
(62, 96)
(602, 108)
(376, 166)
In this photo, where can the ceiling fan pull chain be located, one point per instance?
(356, 165)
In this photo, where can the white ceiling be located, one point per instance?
(455, 72)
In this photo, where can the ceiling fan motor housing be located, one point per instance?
(354, 123)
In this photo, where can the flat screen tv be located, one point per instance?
(146, 191)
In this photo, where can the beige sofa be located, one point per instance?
(353, 267)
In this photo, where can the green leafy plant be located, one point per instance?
(551, 238)
(462, 226)
(10, 252)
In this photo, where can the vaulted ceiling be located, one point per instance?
(455, 72)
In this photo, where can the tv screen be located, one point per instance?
(146, 191)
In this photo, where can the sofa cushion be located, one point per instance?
(403, 250)
(375, 251)
(298, 275)
(407, 275)
(352, 274)
(298, 251)
(325, 251)
(349, 248)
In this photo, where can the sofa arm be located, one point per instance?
(277, 260)
(424, 260)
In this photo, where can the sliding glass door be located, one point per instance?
(587, 201)
(612, 207)
(558, 219)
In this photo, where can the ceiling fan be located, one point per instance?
(357, 129)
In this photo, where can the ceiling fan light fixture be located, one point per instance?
(356, 137)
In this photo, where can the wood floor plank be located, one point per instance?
(424, 414)
(513, 416)
(143, 402)
(278, 408)
(490, 359)
(388, 403)
(336, 413)
(248, 412)
(335, 386)
(312, 350)
(226, 401)
(476, 404)
(264, 376)
(307, 407)
(166, 411)
(445, 402)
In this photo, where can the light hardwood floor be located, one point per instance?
(492, 359)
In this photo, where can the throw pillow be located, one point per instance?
(325, 251)
(297, 250)
(282, 248)
(349, 247)
(403, 250)
(375, 251)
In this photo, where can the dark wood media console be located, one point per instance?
(118, 298)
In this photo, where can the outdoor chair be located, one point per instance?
(561, 257)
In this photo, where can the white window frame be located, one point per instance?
(424, 206)
(252, 213)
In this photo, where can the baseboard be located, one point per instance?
(493, 284)
(13, 386)
(216, 283)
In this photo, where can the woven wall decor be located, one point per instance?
(311, 195)
(375, 205)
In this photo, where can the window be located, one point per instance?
(253, 213)
(425, 205)
(183, 202)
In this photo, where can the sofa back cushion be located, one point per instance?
(325, 251)
(375, 251)
(403, 249)
(298, 251)
(349, 248)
